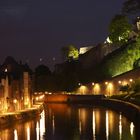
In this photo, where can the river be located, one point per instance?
(72, 122)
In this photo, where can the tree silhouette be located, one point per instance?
(119, 30)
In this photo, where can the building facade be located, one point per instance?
(15, 86)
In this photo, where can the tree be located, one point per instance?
(42, 70)
(136, 86)
(122, 60)
(119, 30)
(136, 64)
(70, 52)
(42, 75)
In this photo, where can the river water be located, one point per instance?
(72, 122)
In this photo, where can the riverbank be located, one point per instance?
(131, 111)
(20, 116)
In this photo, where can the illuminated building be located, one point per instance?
(13, 89)
(26, 94)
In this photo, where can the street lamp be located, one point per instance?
(6, 91)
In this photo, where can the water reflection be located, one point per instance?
(87, 123)
(37, 130)
(42, 125)
(107, 125)
(94, 126)
(15, 135)
(65, 122)
(28, 132)
(132, 128)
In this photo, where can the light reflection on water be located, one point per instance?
(15, 135)
(64, 122)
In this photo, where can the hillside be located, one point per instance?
(121, 60)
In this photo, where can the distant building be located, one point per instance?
(138, 23)
(83, 50)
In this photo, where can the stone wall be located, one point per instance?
(112, 86)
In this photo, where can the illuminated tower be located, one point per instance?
(26, 86)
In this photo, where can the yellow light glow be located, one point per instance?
(119, 82)
(37, 130)
(93, 84)
(42, 124)
(96, 89)
(106, 83)
(124, 83)
(41, 97)
(98, 120)
(111, 121)
(15, 101)
(28, 132)
(120, 126)
(94, 125)
(110, 89)
(107, 126)
(131, 80)
(26, 102)
(15, 135)
(83, 89)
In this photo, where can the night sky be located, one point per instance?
(34, 29)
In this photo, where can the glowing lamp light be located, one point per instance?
(110, 88)
(83, 89)
(26, 103)
(93, 84)
(15, 101)
(124, 83)
(27, 99)
(6, 70)
(96, 89)
(119, 82)
(79, 84)
(131, 80)
(106, 83)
